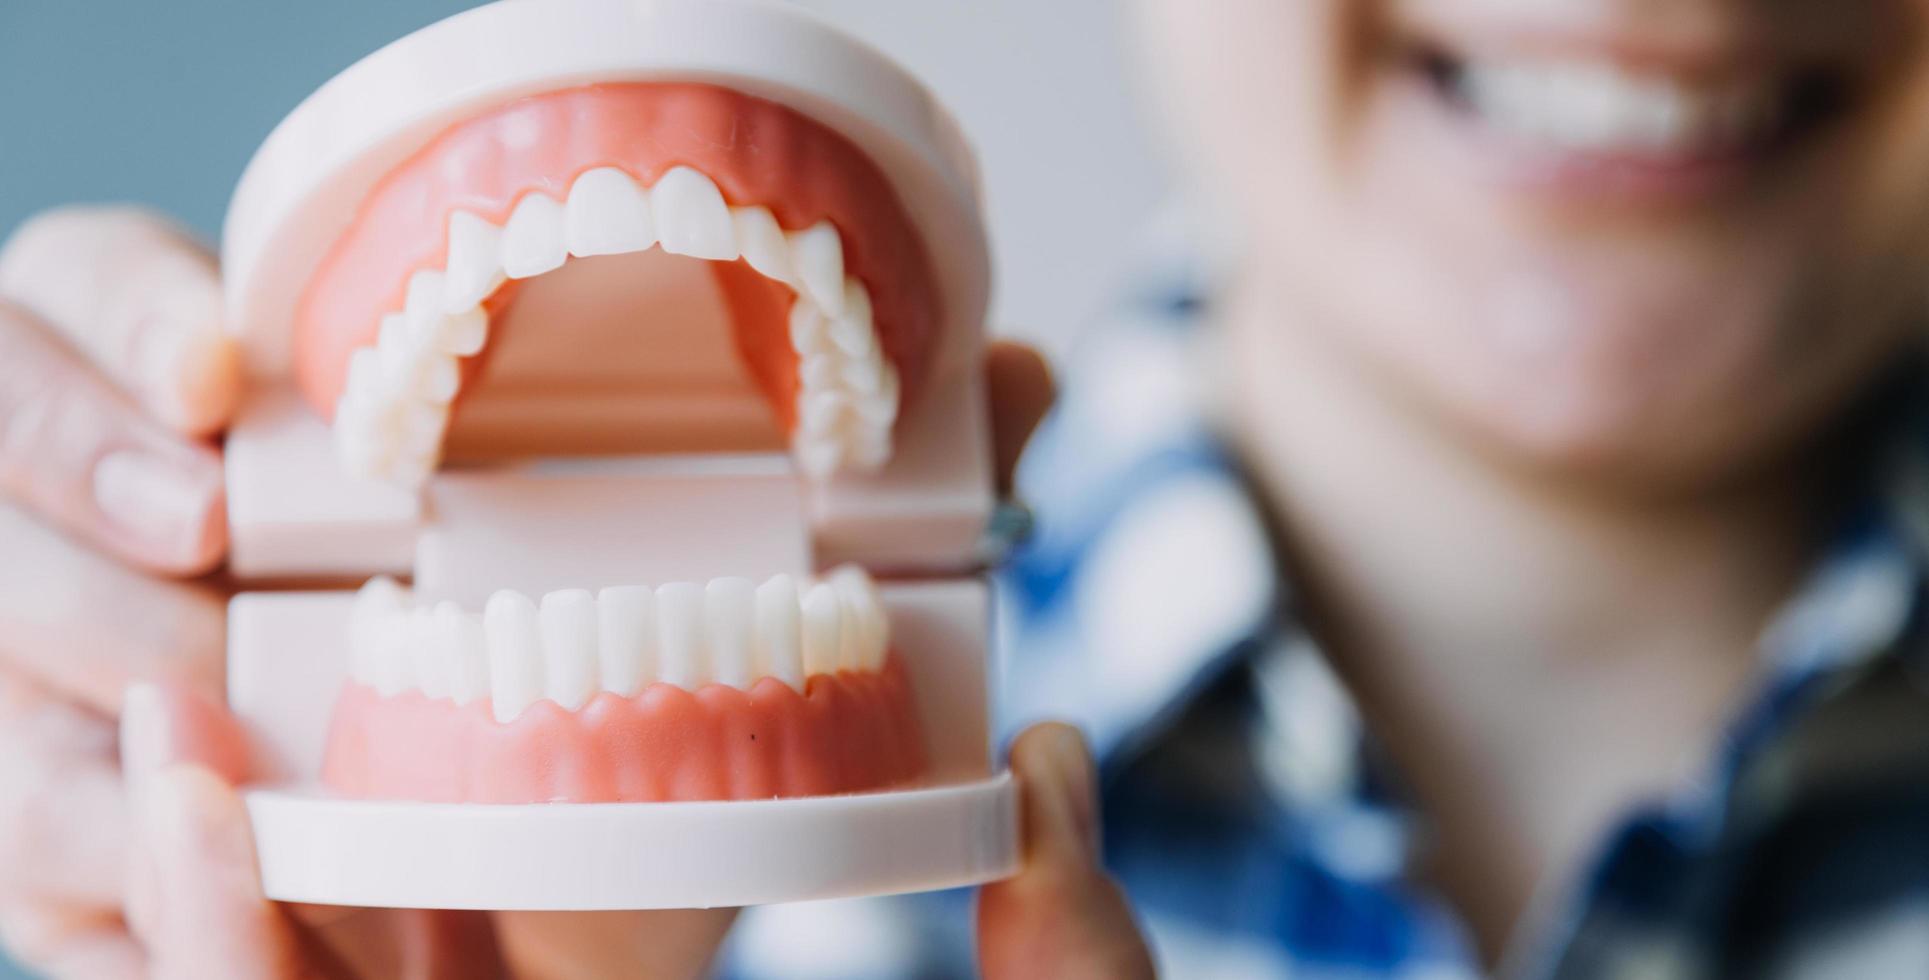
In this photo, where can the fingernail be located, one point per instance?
(1080, 788)
(167, 505)
(187, 360)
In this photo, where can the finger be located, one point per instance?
(140, 298)
(85, 625)
(1061, 916)
(197, 903)
(63, 817)
(73, 450)
(1019, 386)
(54, 943)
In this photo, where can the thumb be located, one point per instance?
(1061, 916)
(195, 895)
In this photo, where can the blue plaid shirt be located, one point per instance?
(1254, 835)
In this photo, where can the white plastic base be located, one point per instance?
(601, 857)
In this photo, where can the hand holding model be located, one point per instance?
(115, 372)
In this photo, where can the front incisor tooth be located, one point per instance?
(779, 646)
(474, 267)
(864, 620)
(728, 605)
(761, 240)
(515, 654)
(532, 241)
(691, 216)
(569, 647)
(817, 253)
(468, 653)
(608, 214)
(626, 650)
(823, 629)
(680, 657)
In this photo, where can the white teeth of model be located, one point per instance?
(761, 240)
(817, 454)
(464, 333)
(532, 241)
(691, 216)
(569, 647)
(822, 411)
(680, 656)
(468, 652)
(514, 640)
(852, 330)
(807, 329)
(608, 214)
(728, 604)
(377, 605)
(823, 629)
(626, 650)
(817, 253)
(779, 645)
(430, 665)
(474, 267)
(863, 616)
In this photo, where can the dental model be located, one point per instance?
(637, 337)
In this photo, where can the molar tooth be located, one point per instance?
(532, 241)
(569, 647)
(474, 267)
(823, 629)
(863, 614)
(468, 654)
(817, 454)
(626, 653)
(853, 330)
(428, 656)
(822, 411)
(807, 327)
(608, 214)
(439, 378)
(761, 240)
(819, 371)
(818, 253)
(515, 654)
(463, 334)
(779, 646)
(727, 605)
(691, 216)
(425, 298)
(679, 623)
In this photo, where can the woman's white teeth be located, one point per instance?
(574, 644)
(1600, 108)
(393, 408)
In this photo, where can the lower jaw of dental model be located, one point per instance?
(723, 691)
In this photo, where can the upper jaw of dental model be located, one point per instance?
(394, 408)
(572, 644)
